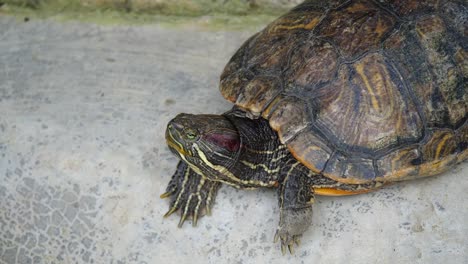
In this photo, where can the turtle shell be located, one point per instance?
(361, 90)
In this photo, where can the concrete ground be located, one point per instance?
(83, 160)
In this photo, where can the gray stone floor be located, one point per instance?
(83, 161)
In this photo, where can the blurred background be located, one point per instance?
(138, 11)
(86, 90)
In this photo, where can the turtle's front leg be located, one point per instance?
(295, 202)
(191, 193)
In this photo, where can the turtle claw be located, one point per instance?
(195, 216)
(182, 220)
(195, 220)
(190, 206)
(190, 193)
(276, 238)
(293, 223)
(287, 241)
(171, 211)
(166, 194)
(297, 240)
(283, 249)
(291, 249)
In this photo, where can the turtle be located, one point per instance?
(333, 98)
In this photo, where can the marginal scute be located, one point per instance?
(440, 144)
(439, 151)
(358, 28)
(232, 85)
(313, 63)
(237, 60)
(399, 164)
(289, 117)
(234, 75)
(311, 150)
(365, 107)
(272, 106)
(258, 92)
(432, 34)
(349, 170)
(437, 166)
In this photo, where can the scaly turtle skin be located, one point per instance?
(333, 98)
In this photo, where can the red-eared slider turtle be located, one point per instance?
(333, 98)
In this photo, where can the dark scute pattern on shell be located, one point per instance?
(410, 10)
(440, 49)
(456, 16)
(357, 28)
(367, 108)
(313, 63)
(361, 89)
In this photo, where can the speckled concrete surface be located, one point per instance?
(83, 162)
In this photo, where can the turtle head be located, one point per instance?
(203, 141)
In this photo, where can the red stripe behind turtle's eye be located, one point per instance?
(228, 141)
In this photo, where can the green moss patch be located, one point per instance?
(209, 14)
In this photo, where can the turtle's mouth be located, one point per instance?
(174, 145)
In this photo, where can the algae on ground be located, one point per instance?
(210, 14)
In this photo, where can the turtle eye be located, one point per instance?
(191, 134)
